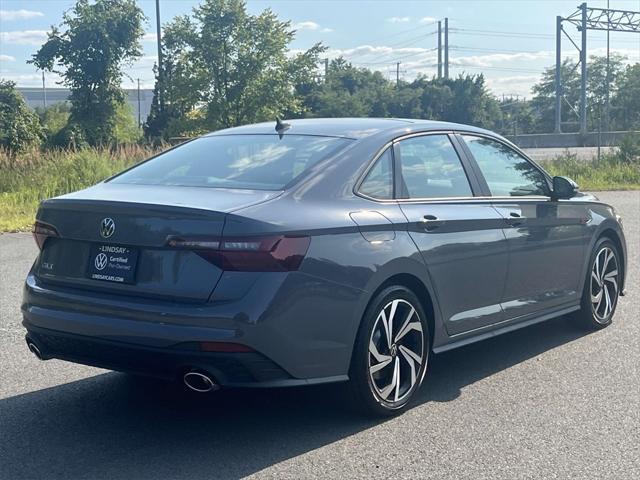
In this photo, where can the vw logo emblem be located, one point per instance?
(107, 227)
(100, 261)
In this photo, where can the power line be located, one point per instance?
(395, 60)
(497, 33)
(492, 50)
(393, 35)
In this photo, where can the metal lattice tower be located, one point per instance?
(584, 19)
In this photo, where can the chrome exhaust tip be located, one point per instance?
(200, 382)
(34, 349)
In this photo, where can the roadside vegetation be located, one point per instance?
(33, 176)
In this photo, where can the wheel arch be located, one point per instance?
(417, 286)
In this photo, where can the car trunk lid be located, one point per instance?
(113, 238)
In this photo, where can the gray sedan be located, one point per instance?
(313, 251)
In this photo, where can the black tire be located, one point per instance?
(596, 316)
(365, 388)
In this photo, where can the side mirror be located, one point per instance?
(564, 187)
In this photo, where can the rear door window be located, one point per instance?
(431, 168)
(261, 162)
(379, 181)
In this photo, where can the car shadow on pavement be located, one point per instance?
(116, 426)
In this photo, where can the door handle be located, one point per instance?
(514, 219)
(431, 222)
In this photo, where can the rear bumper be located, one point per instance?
(295, 341)
(247, 369)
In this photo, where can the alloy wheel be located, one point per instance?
(604, 284)
(396, 351)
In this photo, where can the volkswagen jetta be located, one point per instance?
(323, 250)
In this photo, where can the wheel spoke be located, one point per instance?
(412, 365)
(607, 306)
(397, 373)
(595, 277)
(376, 354)
(411, 354)
(612, 280)
(600, 297)
(379, 366)
(386, 391)
(607, 257)
(408, 326)
(597, 298)
(392, 314)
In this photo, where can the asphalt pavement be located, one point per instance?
(548, 401)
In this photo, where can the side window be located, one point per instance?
(379, 181)
(507, 173)
(431, 168)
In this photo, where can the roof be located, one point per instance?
(355, 128)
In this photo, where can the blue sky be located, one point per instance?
(510, 41)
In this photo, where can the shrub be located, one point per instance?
(20, 127)
(629, 151)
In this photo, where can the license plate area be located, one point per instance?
(112, 263)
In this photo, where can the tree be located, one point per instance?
(626, 100)
(88, 50)
(224, 67)
(348, 91)
(599, 81)
(544, 99)
(20, 128)
(517, 117)
(464, 99)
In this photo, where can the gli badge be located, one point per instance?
(107, 227)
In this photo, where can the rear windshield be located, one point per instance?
(261, 162)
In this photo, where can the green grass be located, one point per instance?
(27, 179)
(608, 173)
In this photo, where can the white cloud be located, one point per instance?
(32, 79)
(309, 25)
(498, 58)
(150, 37)
(7, 58)
(512, 85)
(428, 20)
(306, 26)
(399, 19)
(24, 37)
(21, 14)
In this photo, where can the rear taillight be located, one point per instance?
(42, 231)
(280, 253)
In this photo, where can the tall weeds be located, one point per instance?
(29, 178)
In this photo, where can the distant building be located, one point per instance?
(34, 98)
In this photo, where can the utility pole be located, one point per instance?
(558, 126)
(583, 68)
(160, 70)
(607, 80)
(139, 113)
(44, 92)
(446, 48)
(397, 74)
(439, 48)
